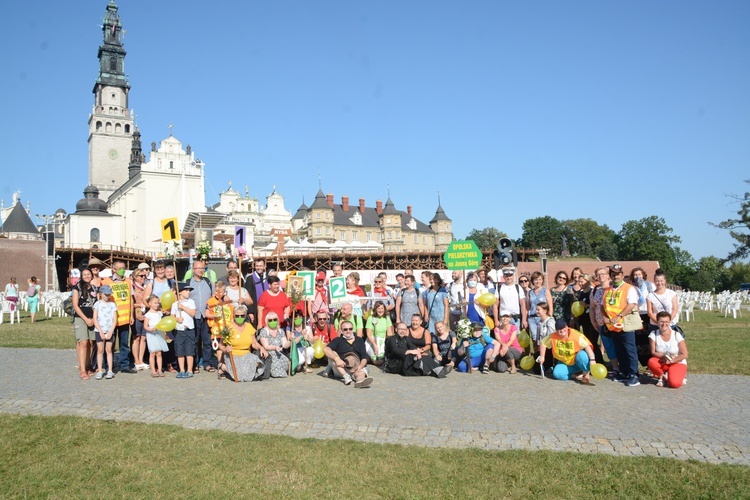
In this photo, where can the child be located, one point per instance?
(546, 328)
(477, 350)
(104, 327)
(183, 312)
(219, 314)
(155, 340)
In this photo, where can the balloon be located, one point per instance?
(489, 323)
(527, 362)
(486, 299)
(577, 308)
(599, 371)
(318, 349)
(167, 324)
(167, 299)
(523, 339)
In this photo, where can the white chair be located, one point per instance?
(11, 309)
(735, 306)
(689, 310)
(54, 305)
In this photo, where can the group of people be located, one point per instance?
(12, 294)
(247, 328)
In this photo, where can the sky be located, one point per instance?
(506, 110)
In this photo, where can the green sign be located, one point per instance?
(337, 287)
(308, 290)
(462, 255)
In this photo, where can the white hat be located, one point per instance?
(143, 265)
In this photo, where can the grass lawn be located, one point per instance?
(74, 457)
(709, 338)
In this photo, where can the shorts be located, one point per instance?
(112, 340)
(83, 331)
(138, 329)
(184, 343)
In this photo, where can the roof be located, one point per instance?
(439, 214)
(18, 221)
(320, 201)
(301, 211)
(371, 218)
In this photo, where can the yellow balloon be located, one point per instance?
(486, 299)
(527, 362)
(318, 349)
(578, 308)
(599, 371)
(167, 299)
(523, 339)
(167, 324)
(489, 323)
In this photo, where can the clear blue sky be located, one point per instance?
(511, 110)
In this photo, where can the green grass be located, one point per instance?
(75, 457)
(716, 344)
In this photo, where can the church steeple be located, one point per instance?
(136, 155)
(111, 121)
(111, 52)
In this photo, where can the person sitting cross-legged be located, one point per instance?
(573, 353)
(669, 353)
(476, 351)
(347, 357)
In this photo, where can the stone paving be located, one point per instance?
(706, 420)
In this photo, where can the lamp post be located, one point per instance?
(543, 255)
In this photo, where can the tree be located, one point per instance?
(684, 269)
(737, 273)
(648, 239)
(543, 232)
(709, 275)
(486, 238)
(587, 237)
(739, 228)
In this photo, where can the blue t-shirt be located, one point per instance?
(476, 346)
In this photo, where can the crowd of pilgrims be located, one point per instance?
(254, 327)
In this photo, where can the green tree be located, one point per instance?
(486, 238)
(586, 237)
(739, 228)
(710, 275)
(737, 273)
(648, 239)
(543, 232)
(684, 269)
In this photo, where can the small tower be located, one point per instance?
(111, 122)
(442, 226)
(321, 218)
(390, 226)
(136, 155)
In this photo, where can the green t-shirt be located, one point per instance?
(379, 326)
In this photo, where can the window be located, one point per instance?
(388, 221)
(118, 128)
(441, 239)
(424, 239)
(317, 216)
(98, 126)
(94, 235)
(127, 129)
(369, 236)
(355, 236)
(328, 230)
(389, 235)
(171, 164)
(416, 239)
(328, 216)
(317, 230)
(342, 235)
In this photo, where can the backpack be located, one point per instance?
(68, 306)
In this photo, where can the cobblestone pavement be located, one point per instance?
(706, 420)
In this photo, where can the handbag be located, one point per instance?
(426, 322)
(632, 322)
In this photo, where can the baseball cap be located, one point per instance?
(106, 290)
(560, 324)
(320, 276)
(508, 271)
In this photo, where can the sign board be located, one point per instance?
(170, 230)
(462, 255)
(308, 289)
(240, 236)
(337, 288)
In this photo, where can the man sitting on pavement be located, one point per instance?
(347, 357)
(572, 350)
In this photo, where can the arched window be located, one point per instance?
(113, 64)
(118, 128)
(94, 236)
(127, 129)
(98, 126)
(108, 128)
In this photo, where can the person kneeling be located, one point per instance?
(476, 351)
(573, 352)
(404, 358)
(347, 357)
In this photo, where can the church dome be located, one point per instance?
(91, 202)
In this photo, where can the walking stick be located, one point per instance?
(234, 367)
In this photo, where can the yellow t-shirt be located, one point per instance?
(242, 340)
(566, 350)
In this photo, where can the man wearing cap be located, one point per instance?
(183, 311)
(319, 303)
(511, 298)
(404, 358)
(620, 299)
(122, 296)
(347, 357)
(571, 349)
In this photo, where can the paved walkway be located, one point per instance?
(706, 420)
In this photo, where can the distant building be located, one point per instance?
(396, 230)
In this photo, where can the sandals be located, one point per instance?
(209, 369)
(84, 376)
(586, 378)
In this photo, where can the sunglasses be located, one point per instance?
(272, 321)
(322, 319)
(523, 281)
(347, 329)
(239, 316)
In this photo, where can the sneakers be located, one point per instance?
(99, 375)
(141, 367)
(110, 375)
(365, 382)
(485, 369)
(633, 381)
(188, 375)
(181, 375)
(622, 378)
(347, 379)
